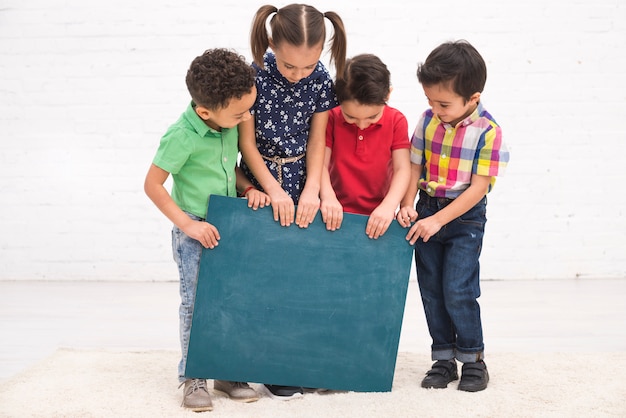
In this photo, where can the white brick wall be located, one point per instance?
(88, 88)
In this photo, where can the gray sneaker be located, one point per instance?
(196, 395)
(237, 391)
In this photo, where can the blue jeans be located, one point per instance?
(187, 252)
(448, 277)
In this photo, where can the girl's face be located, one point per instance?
(361, 115)
(449, 106)
(296, 62)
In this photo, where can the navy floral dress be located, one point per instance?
(282, 115)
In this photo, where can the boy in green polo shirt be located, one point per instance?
(200, 152)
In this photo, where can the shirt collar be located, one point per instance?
(197, 123)
(471, 118)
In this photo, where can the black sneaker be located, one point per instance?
(283, 393)
(474, 377)
(440, 374)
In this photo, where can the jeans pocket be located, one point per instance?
(476, 216)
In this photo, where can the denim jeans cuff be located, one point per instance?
(447, 354)
(469, 357)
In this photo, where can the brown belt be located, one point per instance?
(280, 161)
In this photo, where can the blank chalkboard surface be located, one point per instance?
(301, 307)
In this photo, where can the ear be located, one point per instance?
(388, 94)
(203, 112)
(475, 98)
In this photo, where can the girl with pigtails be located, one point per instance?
(283, 145)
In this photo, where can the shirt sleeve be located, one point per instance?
(492, 155)
(400, 132)
(173, 151)
(417, 143)
(330, 129)
(327, 98)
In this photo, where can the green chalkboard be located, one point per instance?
(302, 307)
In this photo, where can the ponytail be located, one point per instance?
(259, 39)
(338, 43)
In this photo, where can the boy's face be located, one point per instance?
(238, 110)
(361, 115)
(296, 62)
(449, 106)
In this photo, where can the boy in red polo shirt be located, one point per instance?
(367, 149)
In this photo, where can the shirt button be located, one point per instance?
(360, 137)
(225, 159)
(443, 156)
(441, 179)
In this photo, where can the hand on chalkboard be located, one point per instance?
(308, 206)
(379, 221)
(332, 213)
(282, 206)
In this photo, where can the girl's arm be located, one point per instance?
(381, 217)
(316, 145)
(332, 211)
(282, 204)
(203, 232)
(427, 227)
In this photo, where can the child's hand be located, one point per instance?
(379, 222)
(257, 199)
(308, 206)
(406, 215)
(283, 207)
(332, 213)
(203, 232)
(424, 228)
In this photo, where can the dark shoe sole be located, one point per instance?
(283, 393)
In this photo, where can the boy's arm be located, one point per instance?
(203, 232)
(282, 204)
(256, 198)
(427, 227)
(407, 213)
(381, 217)
(309, 202)
(332, 211)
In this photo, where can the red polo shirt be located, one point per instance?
(360, 163)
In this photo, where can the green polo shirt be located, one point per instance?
(201, 160)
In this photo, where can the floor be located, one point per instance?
(36, 318)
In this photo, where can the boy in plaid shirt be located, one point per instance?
(456, 153)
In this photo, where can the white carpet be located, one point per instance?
(86, 383)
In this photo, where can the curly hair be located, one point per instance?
(366, 80)
(217, 76)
